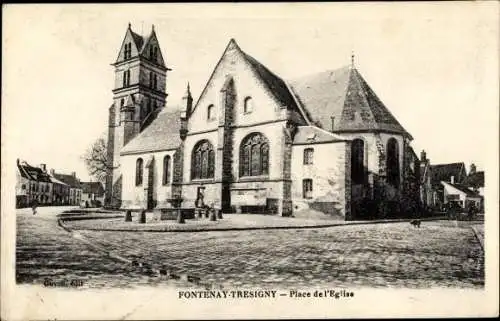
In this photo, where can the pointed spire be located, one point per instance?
(153, 28)
(188, 91)
(352, 59)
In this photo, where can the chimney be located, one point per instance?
(52, 172)
(452, 179)
(472, 168)
(43, 167)
(333, 123)
(73, 174)
(423, 156)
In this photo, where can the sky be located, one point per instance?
(434, 65)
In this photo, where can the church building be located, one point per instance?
(254, 142)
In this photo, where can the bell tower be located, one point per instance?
(139, 93)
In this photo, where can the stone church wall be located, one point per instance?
(330, 180)
(134, 196)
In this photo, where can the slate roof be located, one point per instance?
(344, 94)
(161, 134)
(92, 187)
(462, 188)
(139, 40)
(475, 180)
(70, 180)
(315, 135)
(275, 84)
(443, 172)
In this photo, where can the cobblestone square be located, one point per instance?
(439, 254)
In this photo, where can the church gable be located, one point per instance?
(260, 95)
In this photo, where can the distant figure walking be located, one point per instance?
(34, 206)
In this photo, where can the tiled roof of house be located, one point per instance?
(475, 179)
(23, 172)
(70, 180)
(56, 181)
(344, 95)
(92, 187)
(444, 172)
(463, 188)
(33, 173)
(162, 134)
(315, 135)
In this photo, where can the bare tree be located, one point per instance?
(96, 159)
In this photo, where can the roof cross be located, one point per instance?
(352, 59)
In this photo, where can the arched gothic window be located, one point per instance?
(254, 155)
(210, 112)
(202, 160)
(138, 172)
(393, 162)
(248, 106)
(166, 170)
(358, 161)
(128, 51)
(155, 54)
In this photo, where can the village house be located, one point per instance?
(75, 189)
(92, 194)
(32, 184)
(60, 191)
(460, 195)
(254, 142)
(450, 182)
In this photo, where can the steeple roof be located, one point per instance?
(343, 97)
(141, 44)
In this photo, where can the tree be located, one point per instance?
(96, 159)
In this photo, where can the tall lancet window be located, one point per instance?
(138, 171)
(166, 169)
(358, 161)
(202, 160)
(254, 155)
(393, 173)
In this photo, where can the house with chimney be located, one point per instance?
(450, 183)
(253, 141)
(74, 188)
(32, 184)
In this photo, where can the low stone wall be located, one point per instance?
(328, 208)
